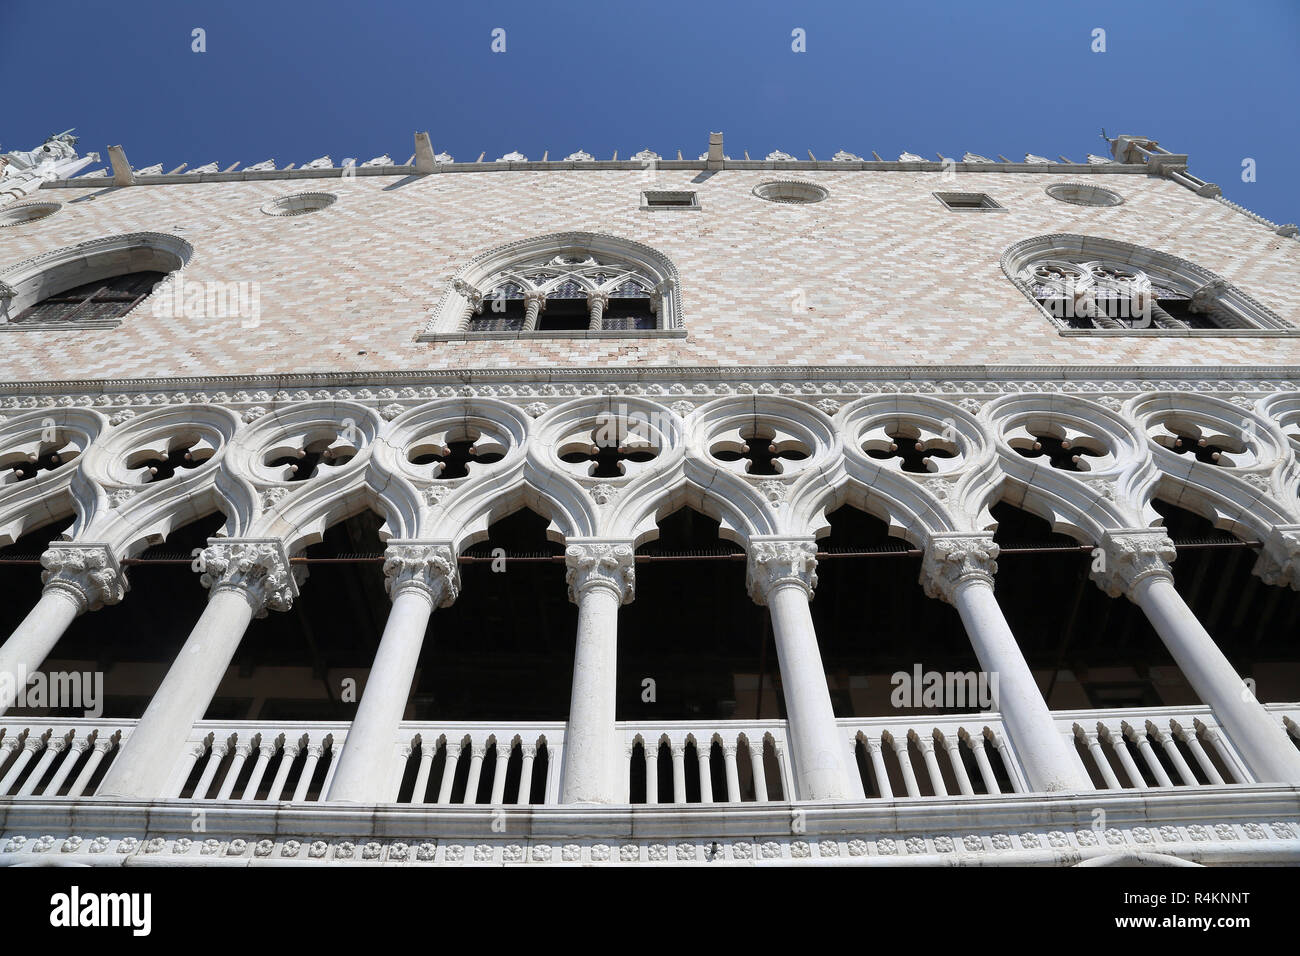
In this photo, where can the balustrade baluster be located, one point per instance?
(1139, 737)
(219, 751)
(1198, 753)
(54, 747)
(102, 747)
(878, 769)
(899, 745)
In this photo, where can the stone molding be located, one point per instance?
(429, 567)
(88, 573)
(1279, 560)
(953, 560)
(257, 568)
(1257, 825)
(1129, 557)
(775, 563)
(523, 432)
(607, 564)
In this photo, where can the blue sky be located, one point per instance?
(291, 81)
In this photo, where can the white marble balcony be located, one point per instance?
(460, 763)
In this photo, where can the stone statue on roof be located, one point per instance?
(59, 147)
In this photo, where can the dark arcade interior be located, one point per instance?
(504, 650)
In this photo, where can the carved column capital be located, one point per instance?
(607, 564)
(1279, 560)
(88, 573)
(955, 559)
(775, 562)
(1130, 557)
(429, 566)
(258, 568)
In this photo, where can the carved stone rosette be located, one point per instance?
(773, 563)
(1279, 560)
(1129, 557)
(600, 564)
(431, 567)
(951, 560)
(258, 567)
(89, 573)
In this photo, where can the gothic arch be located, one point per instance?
(26, 283)
(1074, 273)
(475, 280)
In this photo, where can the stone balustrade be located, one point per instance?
(460, 763)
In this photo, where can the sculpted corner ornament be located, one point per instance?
(597, 564)
(1279, 560)
(430, 567)
(776, 563)
(952, 561)
(89, 573)
(1129, 557)
(257, 567)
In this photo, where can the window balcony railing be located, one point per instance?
(671, 762)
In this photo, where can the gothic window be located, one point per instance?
(90, 285)
(1085, 284)
(574, 284)
(103, 300)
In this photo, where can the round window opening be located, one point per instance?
(1084, 194)
(298, 204)
(27, 212)
(787, 191)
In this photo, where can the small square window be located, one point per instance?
(968, 201)
(669, 199)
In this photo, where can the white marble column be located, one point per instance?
(781, 574)
(534, 303)
(959, 569)
(77, 578)
(246, 577)
(419, 576)
(597, 303)
(1135, 563)
(601, 578)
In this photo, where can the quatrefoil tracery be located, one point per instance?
(1065, 448)
(301, 456)
(916, 449)
(450, 453)
(1186, 438)
(607, 450)
(759, 450)
(25, 461)
(161, 459)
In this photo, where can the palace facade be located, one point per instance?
(659, 510)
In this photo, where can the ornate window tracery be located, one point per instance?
(577, 283)
(1084, 283)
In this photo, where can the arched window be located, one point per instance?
(1085, 283)
(572, 283)
(93, 284)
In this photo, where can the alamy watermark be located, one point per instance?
(55, 690)
(216, 301)
(944, 689)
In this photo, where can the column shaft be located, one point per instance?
(366, 760)
(1048, 759)
(33, 640)
(590, 739)
(145, 764)
(814, 735)
(1260, 739)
